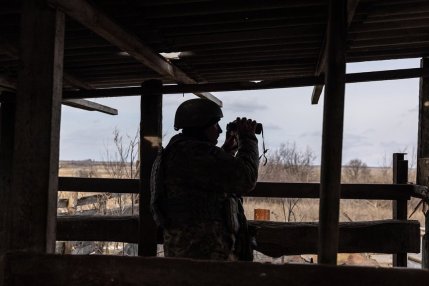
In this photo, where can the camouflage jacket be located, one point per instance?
(198, 178)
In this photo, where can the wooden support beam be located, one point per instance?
(423, 124)
(332, 136)
(7, 83)
(150, 144)
(423, 153)
(7, 130)
(321, 65)
(10, 84)
(399, 207)
(273, 238)
(386, 236)
(76, 82)
(263, 189)
(105, 27)
(10, 50)
(246, 85)
(77, 103)
(70, 270)
(98, 228)
(37, 129)
(90, 105)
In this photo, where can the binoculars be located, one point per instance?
(233, 127)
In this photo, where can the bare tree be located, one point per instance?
(123, 162)
(357, 171)
(289, 164)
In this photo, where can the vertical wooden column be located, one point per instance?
(399, 207)
(425, 243)
(423, 151)
(423, 125)
(37, 129)
(150, 143)
(7, 122)
(332, 138)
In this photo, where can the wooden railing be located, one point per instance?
(274, 239)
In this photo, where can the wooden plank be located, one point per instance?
(69, 270)
(98, 228)
(7, 130)
(104, 26)
(263, 189)
(332, 133)
(321, 65)
(10, 50)
(150, 144)
(37, 129)
(423, 124)
(389, 236)
(73, 80)
(90, 105)
(399, 207)
(7, 83)
(102, 185)
(246, 85)
(77, 82)
(273, 238)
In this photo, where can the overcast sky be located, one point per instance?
(380, 118)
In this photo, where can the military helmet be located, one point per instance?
(197, 113)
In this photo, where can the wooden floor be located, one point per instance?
(38, 269)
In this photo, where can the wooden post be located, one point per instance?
(423, 151)
(399, 207)
(7, 122)
(425, 243)
(37, 129)
(150, 142)
(423, 125)
(332, 138)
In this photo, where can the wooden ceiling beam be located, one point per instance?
(247, 85)
(90, 106)
(10, 85)
(104, 26)
(317, 90)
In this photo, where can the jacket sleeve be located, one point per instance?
(216, 170)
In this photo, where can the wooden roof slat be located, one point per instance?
(105, 27)
(247, 85)
(263, 34)
(202, 8)
(317, 90)
(90, 106)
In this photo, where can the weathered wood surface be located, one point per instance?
(98, 228)
(71, 270)
(263, 189)
(90, 106)
(332, 132)
(274, 238)
(246, 85)
(399, 207)
(102, 185)
(33, 200)
(388, 236)
(150, 144)
(321, 64)
(107, 28)
(423, 125)
(7, 130)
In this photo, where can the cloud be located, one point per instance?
(317, 134)
(245, 106)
